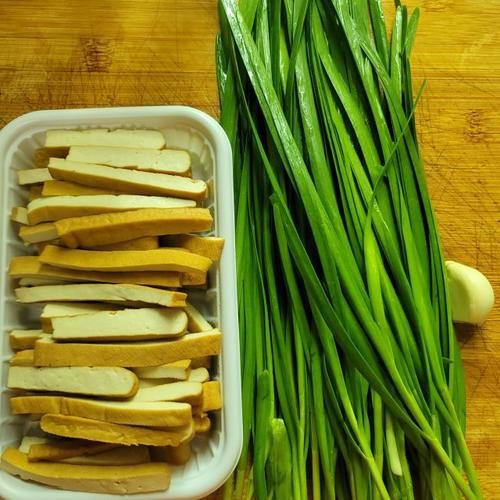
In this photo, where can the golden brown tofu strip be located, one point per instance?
(31, 267)
(161, 259)
(120, 479)
(159, 414)
(127, 354)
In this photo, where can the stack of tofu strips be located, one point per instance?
(116, 377)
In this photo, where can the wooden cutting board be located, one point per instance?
(98, 53)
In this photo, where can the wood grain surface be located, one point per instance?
(69, 54)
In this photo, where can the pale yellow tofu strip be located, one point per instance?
(128, 181)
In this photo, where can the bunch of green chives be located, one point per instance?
(352, 378)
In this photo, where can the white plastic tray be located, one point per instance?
(184, 128)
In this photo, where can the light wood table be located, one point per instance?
(69, 54)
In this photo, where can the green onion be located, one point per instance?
(352, 378)
(279, 465)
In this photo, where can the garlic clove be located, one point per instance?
(471, 294)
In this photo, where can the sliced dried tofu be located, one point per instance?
(208, 246)
(23, 358)
(35, 192)
(28, 441)
(62, 188)
(100, 292)
(120, 479)
(194, 279)
(169, 161)
(199, 375)
(127, 354)
(96, 381)
(120, 455)
(161, 259)
(178, 370)
(201, 361)
(159, 414)
(128, 324)
(189, 392)
(59, 309)
(144, 243)
(19, 215)
(40, 232)
(62, 207)
(212, 397)
(31, 267)
(196, 321)
(33, 176)
(106, 432)
(127, 181)
(126, 138)
(39, 282)
(202, 424)
(173, 455)
(24, 339)
(58, 449)
(42, 155)
(103, 229)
